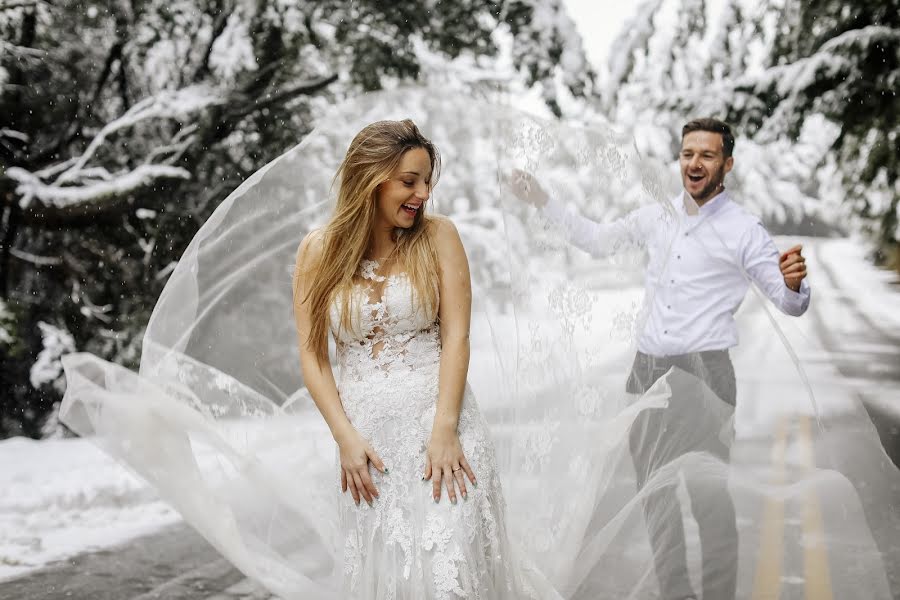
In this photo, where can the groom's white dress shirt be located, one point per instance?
(700, 268)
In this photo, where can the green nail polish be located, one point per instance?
(386, 470)
(436, 500)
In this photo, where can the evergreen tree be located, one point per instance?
(810, 84)
(842, 61)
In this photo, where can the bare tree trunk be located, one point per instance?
(9, 224)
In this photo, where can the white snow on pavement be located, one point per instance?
(875, 291)
(60, 497)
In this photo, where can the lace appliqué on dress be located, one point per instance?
(405, 545)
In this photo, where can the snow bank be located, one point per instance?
(59, 498)
(878, 291)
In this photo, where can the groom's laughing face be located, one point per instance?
(703, 164)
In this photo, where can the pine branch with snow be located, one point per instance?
(47, 369)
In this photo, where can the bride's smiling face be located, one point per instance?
(402, 197)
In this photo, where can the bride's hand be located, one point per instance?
(525, 186)
(446, 464)
(356, 454)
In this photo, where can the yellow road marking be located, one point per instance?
(817, 581)
(816, 574)
(767, 583)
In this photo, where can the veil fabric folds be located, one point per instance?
(219, 421)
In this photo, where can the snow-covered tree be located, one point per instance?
(123, 124)
(841, 61)
(809, 83)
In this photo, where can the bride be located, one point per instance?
(392, 286)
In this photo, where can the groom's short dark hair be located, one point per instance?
(714, 126)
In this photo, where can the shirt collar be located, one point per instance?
(709, 207)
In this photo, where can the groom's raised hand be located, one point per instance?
(793, 267)
(525, 186)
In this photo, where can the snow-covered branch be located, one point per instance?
(7, 325)
(47, 369)
(32, 188)
(75, 181)
(177, 105)
(14, 135)
(180, 144)
(41, 261)
(830, 61)
(22, 52)
(19, 4)
(303, 89)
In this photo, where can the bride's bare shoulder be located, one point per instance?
(310, 250)
(442, 228)
(446, 238)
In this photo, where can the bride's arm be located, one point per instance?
(445, 460)
(356, 453)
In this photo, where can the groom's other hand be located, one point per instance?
(525, 186)
(793, 267)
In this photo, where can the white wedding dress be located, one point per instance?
(406, 546)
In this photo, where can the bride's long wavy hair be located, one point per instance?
(373, 156)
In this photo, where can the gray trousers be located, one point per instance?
(658, 437)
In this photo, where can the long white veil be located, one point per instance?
(219, 421)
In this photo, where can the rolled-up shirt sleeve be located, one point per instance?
(761, 261)
(597, 239)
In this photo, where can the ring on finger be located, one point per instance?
(456, 469)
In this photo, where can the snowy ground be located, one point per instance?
(59, 498)
(878, 288)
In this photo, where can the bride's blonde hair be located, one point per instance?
(373, 156)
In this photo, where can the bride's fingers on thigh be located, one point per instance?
(360, 488)
(450, 482)
(460, 478)
(353, 491)
(376, 460)
(360, 491)
(436, 483)
(357, 478)
(368, 483)
(469, 472)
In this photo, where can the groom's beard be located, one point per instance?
(710, 189)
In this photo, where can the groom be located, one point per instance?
(701, 263)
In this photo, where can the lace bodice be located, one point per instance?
(389, 330)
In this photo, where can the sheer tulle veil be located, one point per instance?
(219, 421)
